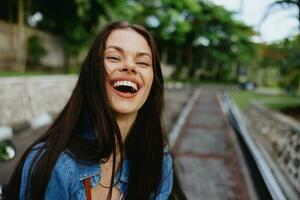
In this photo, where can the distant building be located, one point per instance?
(54, 57)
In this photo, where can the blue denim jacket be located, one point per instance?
(66, 181)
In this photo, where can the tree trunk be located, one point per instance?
(264, 76)
(164, 55)
(190, 65)
(11, 57)
(21, 50)
(238, 71)
(218, 69)
(201, 75)
(177, 71)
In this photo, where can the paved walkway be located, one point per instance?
(207, 155)
(175, 99)
(208, 162)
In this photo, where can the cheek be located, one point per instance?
(149, 78)
(110, 67)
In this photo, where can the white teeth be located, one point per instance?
(131, 84)
(125, 83)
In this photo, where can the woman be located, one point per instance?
(108, 142)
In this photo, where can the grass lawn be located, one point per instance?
(36, 73)
(277, 102)
(11, 73)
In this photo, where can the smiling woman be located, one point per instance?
(108, 142)
(128, 61)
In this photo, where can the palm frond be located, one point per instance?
(280, 4)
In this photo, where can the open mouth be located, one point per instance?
(125, 86)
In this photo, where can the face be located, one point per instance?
(128, 62)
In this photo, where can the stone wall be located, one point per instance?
(9, 43)
(279, 139)
(23, 99)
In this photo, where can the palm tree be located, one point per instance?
(291, 66)
(285, 4)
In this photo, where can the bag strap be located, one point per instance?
(87, 188)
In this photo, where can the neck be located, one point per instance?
(125, 122)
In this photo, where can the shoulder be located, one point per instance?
(64, 162)
(64, 177)
(61, 180)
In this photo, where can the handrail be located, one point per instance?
(237, 120)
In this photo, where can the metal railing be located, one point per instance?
(238, 122)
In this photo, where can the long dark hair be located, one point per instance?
(88, 107)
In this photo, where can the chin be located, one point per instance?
(125, 109)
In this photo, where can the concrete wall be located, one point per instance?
(9, 44)
(23, 99)
(278, 136)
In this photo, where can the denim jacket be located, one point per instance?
(66, 181)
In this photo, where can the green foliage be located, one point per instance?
(191, 28)
(5, 151)
(76, 22)
(244, 99)
(198, 35)
(35, 50)
(290, 65)
(284, 105)
(284, 55)
(287, 51)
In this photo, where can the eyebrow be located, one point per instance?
(122, 50)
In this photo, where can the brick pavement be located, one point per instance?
(207, 155)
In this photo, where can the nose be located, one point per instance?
(129, 67)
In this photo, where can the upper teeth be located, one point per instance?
(125, 83)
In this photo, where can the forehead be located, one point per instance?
(128, 40)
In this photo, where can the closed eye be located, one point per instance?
(113, 58)
(143, 63)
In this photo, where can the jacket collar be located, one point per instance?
(90, 170)
(87, 171)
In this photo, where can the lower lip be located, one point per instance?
(126, 95)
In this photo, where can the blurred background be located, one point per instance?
(218, 41)
(247, 51)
